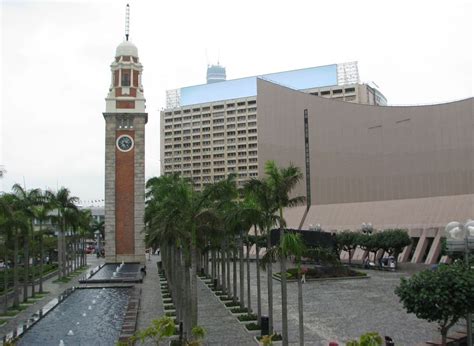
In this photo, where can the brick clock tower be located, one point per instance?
(125, 120)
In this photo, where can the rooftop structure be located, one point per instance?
(301, 79)
(215, 74)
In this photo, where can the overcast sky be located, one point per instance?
(56, 55)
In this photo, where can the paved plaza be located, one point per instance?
(333, 310)
(341, 310)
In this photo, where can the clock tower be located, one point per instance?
(125, 120)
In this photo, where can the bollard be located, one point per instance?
(264, 324)
(181, 329)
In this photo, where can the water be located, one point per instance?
(70, 323)
(127, 271)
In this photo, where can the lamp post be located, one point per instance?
(460, 238)
(367, 228)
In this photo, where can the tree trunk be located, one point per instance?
(249, 300)
(33, 275)
(444, 334)
(223, 269)
(26, 267)
(300, 307)
(259, 296)
(60, 255)
(16, 298)
(187, 318)
(284, 296)
(241, 270)
(270, 287)
(193, 287)
(6, 273)
(228, 254)
(41, 260)
(234, 274)
(213, 265)
(257, 271)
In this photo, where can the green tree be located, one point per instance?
(15, 222)
(26, 200)
(444, 295)
(261, 192)
(282, 181)
(370, 243)
(63, 202)
(84, 224)
(347, 241)
(42, 213)
(177, 213)
(393, 241)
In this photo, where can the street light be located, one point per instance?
(460, 238)
(367, 228)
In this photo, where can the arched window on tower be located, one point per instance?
(125, 79)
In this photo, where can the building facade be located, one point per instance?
(210, 131)
(395, 167)
(125, 120)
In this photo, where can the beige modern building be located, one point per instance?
(364, 162)
(395, 167)
(210, 131)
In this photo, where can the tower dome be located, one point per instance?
(126, 48)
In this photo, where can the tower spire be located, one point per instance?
(127, 21)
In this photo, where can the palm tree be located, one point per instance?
(85, 218)
(261, 192)
(173, 204)
(62, 201)
(27, 201)
(292, 244)
(16, 222)
(5, 232)
(281, 182)
(42, 214)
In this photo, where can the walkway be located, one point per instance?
(222, 328)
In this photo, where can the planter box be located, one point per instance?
(273, 342)
(275, 277)
(245, 322)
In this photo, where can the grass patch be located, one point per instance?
(64, 280)
(36, 298)
(231, 304)
(225, 298)
(11, 313)
(166, 296)
(21, 307)
(2, 322)
(248, 317)
(169, 307)
(170, 313)
(239, 310)
(167, 301)
(252, 326)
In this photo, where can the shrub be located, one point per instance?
(252, 326)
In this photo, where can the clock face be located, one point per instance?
(125, 143)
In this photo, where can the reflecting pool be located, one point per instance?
(89, 316)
